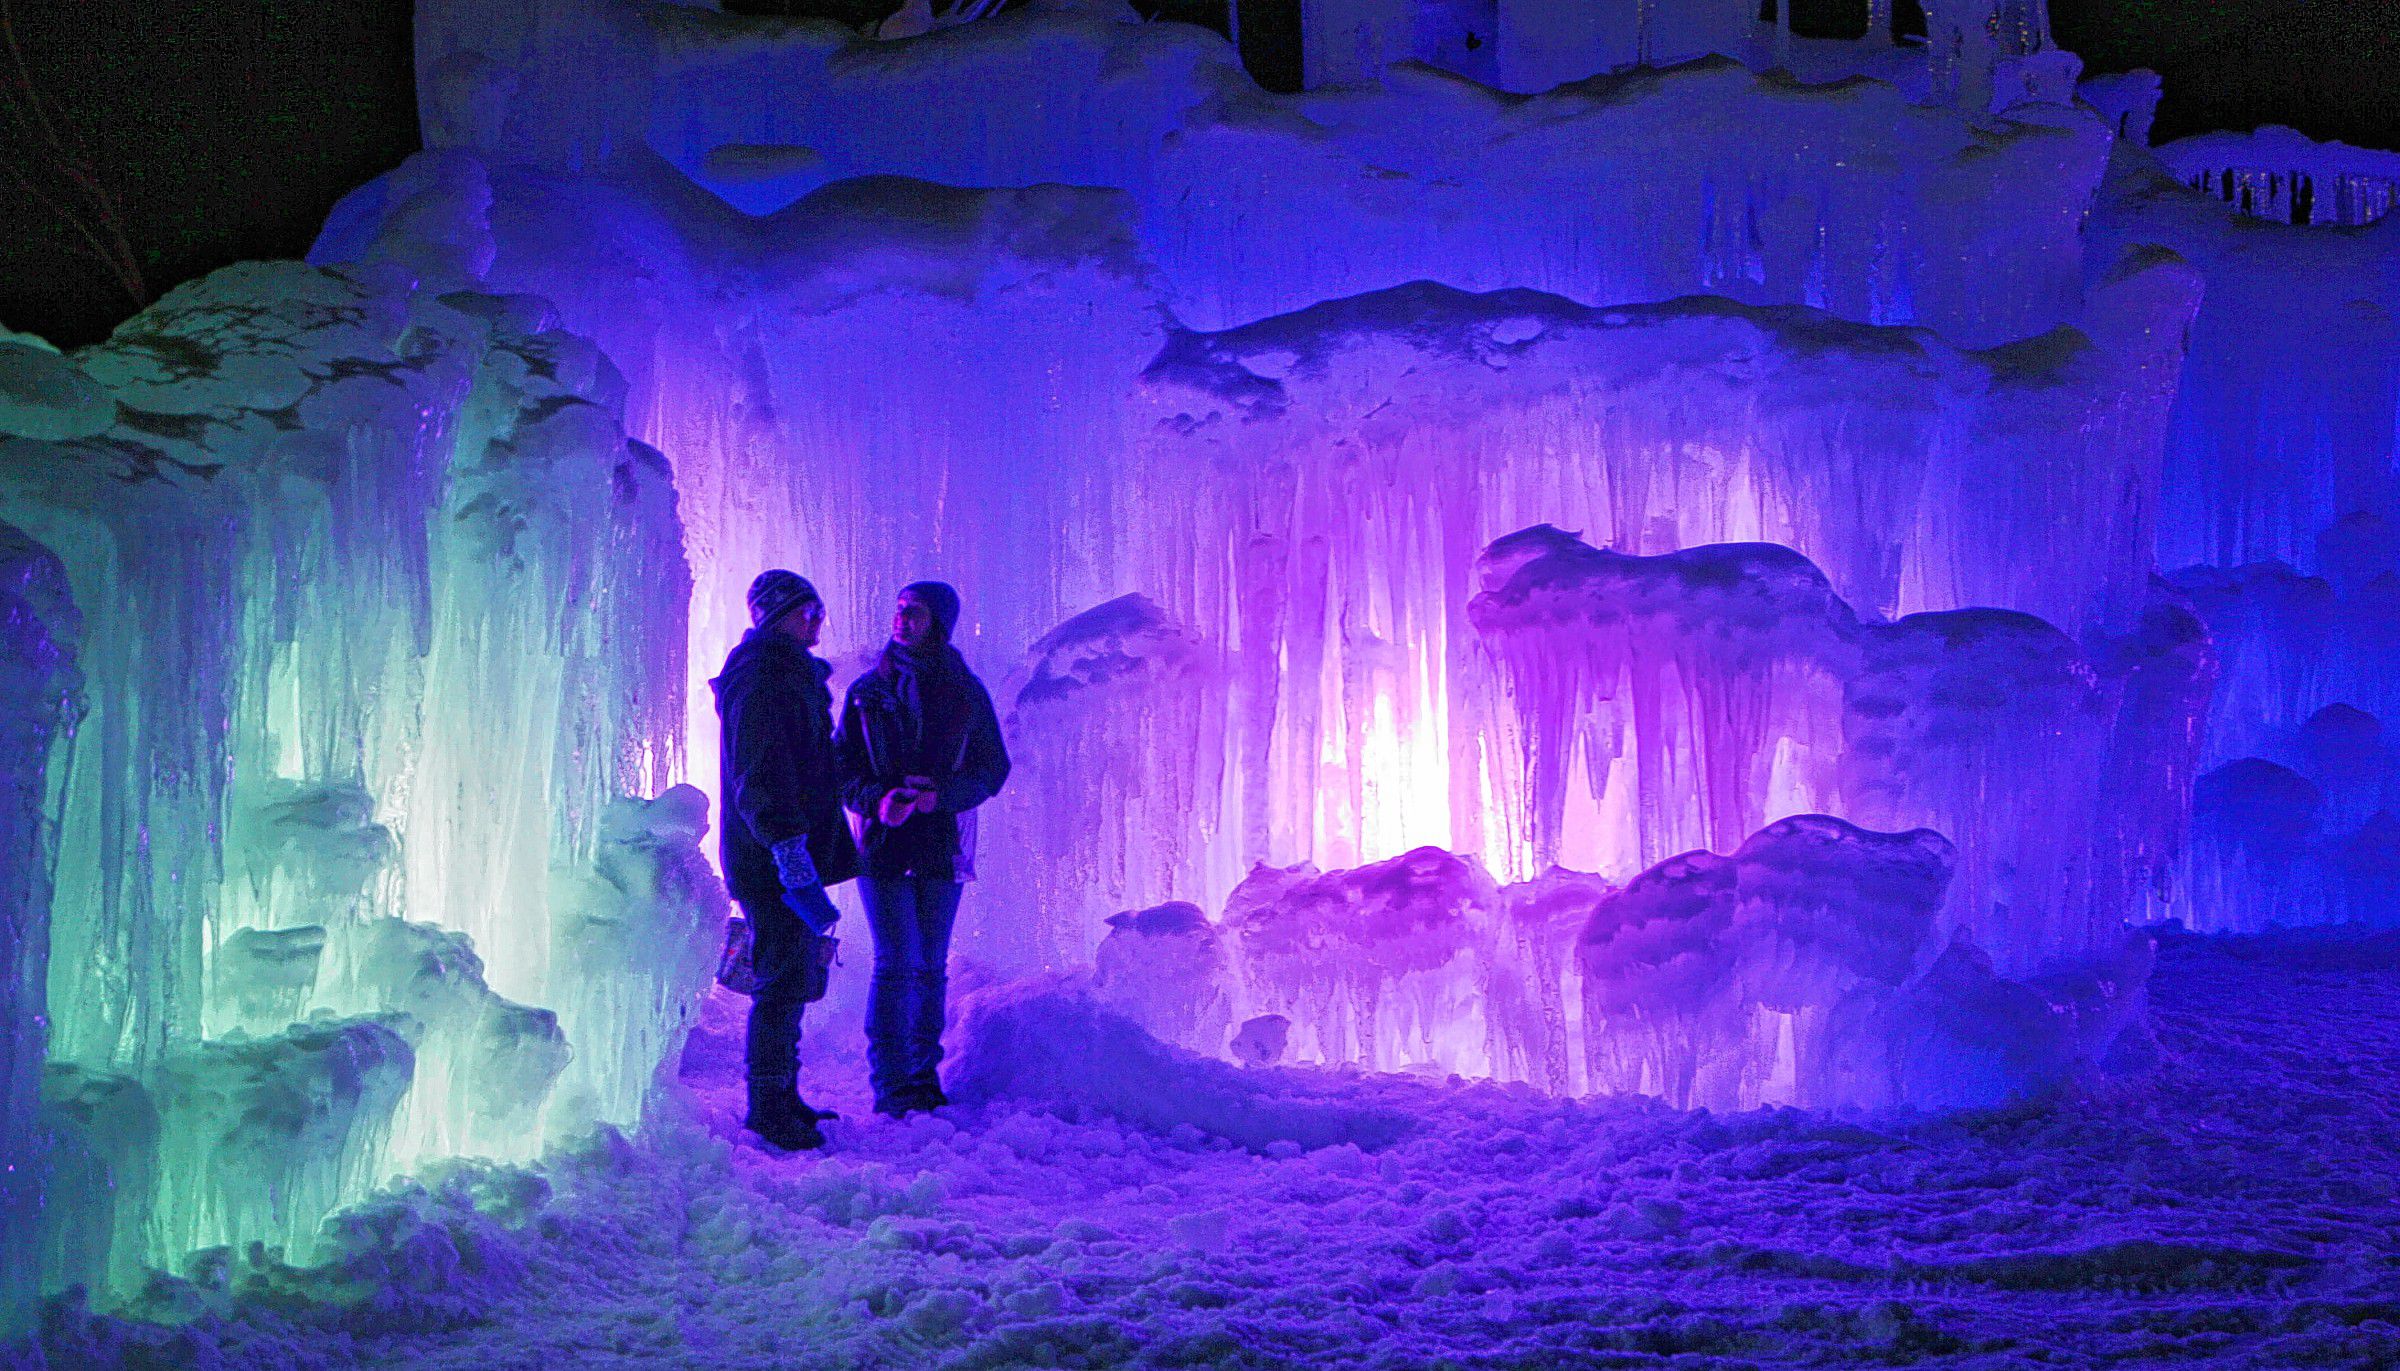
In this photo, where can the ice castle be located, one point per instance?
(1621, 546)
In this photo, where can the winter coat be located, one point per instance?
(780, 774)
(920, 714)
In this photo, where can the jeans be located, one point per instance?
(782, 950)
(911, 918)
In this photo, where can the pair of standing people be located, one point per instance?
(918, 747)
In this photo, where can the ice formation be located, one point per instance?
(1686, 700)
(1806, 969)
(1120, 716)
(1880, 380)
(1529, 46)
(392, 610)
(2282, 174)
(1166, 968)
(38, 686)
(1817, 965)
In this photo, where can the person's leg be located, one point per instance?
(778, 953)
(891, 907)
(937, 915)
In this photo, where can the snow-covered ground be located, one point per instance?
(2235, 1208)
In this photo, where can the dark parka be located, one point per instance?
(941, 726)
(781, 779)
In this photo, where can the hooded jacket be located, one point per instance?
(921, 713)
(780, 777)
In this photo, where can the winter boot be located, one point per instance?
(778, 1116)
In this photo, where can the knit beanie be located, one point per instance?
(941, 600)
(777, 593)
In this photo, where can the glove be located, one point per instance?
(803, 893)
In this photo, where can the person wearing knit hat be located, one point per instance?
(782, 836)
(777, 593)
(920, 748)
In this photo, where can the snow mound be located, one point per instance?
(1050, 1041)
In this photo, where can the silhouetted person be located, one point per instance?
(784, 837)
(920, 749)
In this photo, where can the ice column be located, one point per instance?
(39, 690)
(1117, 729)
(637, 932)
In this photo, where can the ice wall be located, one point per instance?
(1847, 194)
(1686, 700)
(2284, 175)
(39, 693)
(2276, 519)
(394, 611)
(2284, 423)
(1335, 471)
(1812, 967)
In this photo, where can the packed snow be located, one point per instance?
(1121, 1204)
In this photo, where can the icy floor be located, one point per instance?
(2238, 1210)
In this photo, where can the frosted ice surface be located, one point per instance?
(1166, 968)
(1116, 724)
(1804, 969)
(38, 689)
(260, 1140)
(1685, 700)
(638, 931)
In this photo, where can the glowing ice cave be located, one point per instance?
(1648, 556)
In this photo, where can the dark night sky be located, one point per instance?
(226, 131)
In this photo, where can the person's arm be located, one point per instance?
(983, 764)
(764, 787)
(854, 755)
(768, 788)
